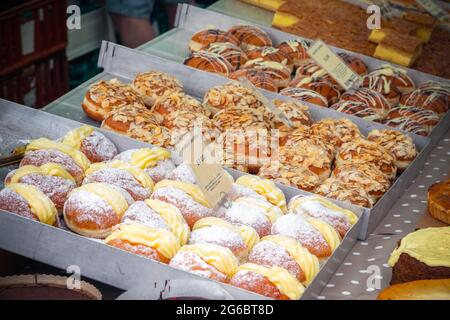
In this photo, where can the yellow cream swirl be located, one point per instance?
(149, 157)
(328, 232)
(191, 189)
(173, 217)
(286, 283)
(48, 169)
(249, 235)
(160, 240)
(75, 137)
(41, 206)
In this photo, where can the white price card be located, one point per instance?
(434, 9)
(334, 65)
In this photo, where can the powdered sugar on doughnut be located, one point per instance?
(140, 212)
(252, 216)
(99, 147)
(217, 235)
(161, 170)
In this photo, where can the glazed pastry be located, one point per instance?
(421, 255)
(273, 282)
(319, 208)
(356, 64)
(229, 95)
(366, 176)
(157, 244)
(305, 95)
(290, 175)
(318, 237)
(271, 54)
(104, 96)
(322, 85)
(252, 212)
(438, 201)
(230, 52)
(210, 62)
(159, 215)
(371, 98)
(287, 253)
(95, 146)
(259, 78)
(132, 179)
(438, 87)
(407, 125)
(152, 85)
(428, 119)
(296, 112)
(398, 144)
(177, 101)
(347, 192)
(358, 109)
(336, 131)
(92, 210)
(250, 37)
(42, 151)
(202, 39)
(188, 198)
(206, 260)
(296, 50)
(438, 289)
(364, 151)
(310, 156)
(435, 101)
(51, 179)
(239, 239)
(310, 67)
(29, 202)
(265, 188)
(280, 73)
(157, 162)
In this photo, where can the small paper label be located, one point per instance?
(434, 9)
(279, 113)
(334, 65)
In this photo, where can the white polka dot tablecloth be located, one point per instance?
(365, 271)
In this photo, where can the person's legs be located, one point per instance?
(131, 20)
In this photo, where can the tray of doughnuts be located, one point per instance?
(89, 196)
(277, 61)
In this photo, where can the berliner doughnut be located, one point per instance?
(271, 54)
(361, 151)
(95, 146)
(182, 173)
(318, 237)
(336, 131)
(305, 95)
(427, 118)
(239, 239)
(187, 197)
(319, 208)
(366, 176)
(230, 94)
(140, 213)
(356, 64)
(250, 37)
(132, 179)
(177, 101)
(321, 85)
(435, 101)
(210, 62)
(51, 179)
(296, 50)
(296, 112)
(256, 213)
(280, 73)
(290, 175)
(273, 282)
(202, 39)
(398, 144)
(230, 52)
(29, 202)
(104, 96)
(287, 253)
(408, 125)
(42, 151)
(157, 244)
(371, 98)
(265, 188)
(348, 192)
(238, 191)
(93, 209)
(152, 85)
(157, 162)
(206, 260)
(358, 109)
(259, 78)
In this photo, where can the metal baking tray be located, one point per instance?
(191, 19)
(115, 60)
(121, 269)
